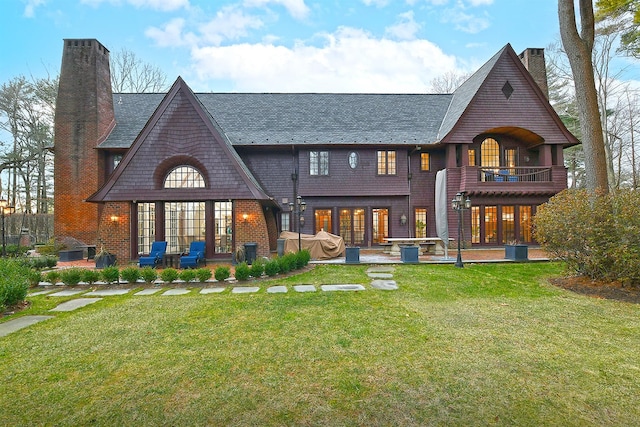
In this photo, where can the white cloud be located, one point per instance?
(377, 3)
(349, 61)
(476, 3)
(464, 21)
(30, 7)
(171, 35)
(162, 5)
(230, 23)
(296, 8)
(405, 29)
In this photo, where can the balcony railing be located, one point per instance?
(516, 174)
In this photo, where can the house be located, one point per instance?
(228, 168)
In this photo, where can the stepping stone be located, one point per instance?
(304, 288)
(22, 322)
(329, 288)
(214, 290)
(75, 304)
(384, 285)
(149, 291)
(66, 293)
(245, 289)
(177, 291)
(277, 290)
(33, 294)
(380, 275)
(107, 292)
(45, 284)
(380, 270)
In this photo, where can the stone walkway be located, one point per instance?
(381, 279)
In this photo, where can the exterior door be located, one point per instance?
(352, 226)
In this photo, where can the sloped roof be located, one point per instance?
(277, 118)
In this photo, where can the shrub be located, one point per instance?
(187, 275)
(242, 271)
(52, 277)
(287, 262)
(42, 262)
(302, 258)
(272, 267)
(14, 283)
(257, 268)
(203, 274)
(90, 276)
(130, 274)
(169, 275)
(14, 250)
(596, 235)
(71, 276)
(148, 274)
(111, 274)
(222, 272)
(34, 277)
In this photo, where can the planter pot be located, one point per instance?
(516, 252)
(409, 254)
(352, 255)
(103, 261)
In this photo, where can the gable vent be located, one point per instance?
(507, 90)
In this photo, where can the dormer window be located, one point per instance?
(184, 177)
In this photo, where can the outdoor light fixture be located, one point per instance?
(5, 210)
(298, 209)
(403, 219)
(459, 204)
(114, 218)
(245, 217)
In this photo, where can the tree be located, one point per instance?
(628, 11)
(579, 48)
(129, 74)
(448, 82)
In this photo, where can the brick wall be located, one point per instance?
(114, 230)
(254, 228)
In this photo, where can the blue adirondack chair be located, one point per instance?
(155, 256)
(194, 257)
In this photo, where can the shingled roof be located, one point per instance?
(312, 118)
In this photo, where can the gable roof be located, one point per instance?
(158, 135)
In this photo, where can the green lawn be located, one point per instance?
(483, 345)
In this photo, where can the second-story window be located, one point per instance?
(386, 162)
(318, 163)
(425, 162)
(490, 152)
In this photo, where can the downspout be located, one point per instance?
(409, 176)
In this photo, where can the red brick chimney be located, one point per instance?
(84, 117)
(533, 60)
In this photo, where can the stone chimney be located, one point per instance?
(84, 117)
(533, 60)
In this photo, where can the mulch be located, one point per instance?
(599, 289)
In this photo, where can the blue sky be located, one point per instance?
(368, 46)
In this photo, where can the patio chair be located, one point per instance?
(155, 255)
(194, 257)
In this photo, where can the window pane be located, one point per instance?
(382, 163)
(490, 152)
(511, 157)
(184, 177)
(324, 163)
(223, 217)
(345, 224)
(424, 161)
(184, 223)
(380, 225)
(285, 221)
(421, 222)
(358, 226)
(525, 223)
(313, 163)
(146, 226)
(490, 224)
(472, 157)
(391, 162)
(508, 224)
(323, 220)
(475, 224)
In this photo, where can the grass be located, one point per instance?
(484, 345)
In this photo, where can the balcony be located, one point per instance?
(513, 181)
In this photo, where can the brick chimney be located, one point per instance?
(84, 117)
(533, 60)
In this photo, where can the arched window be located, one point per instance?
(490, 152)
(184, 177)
